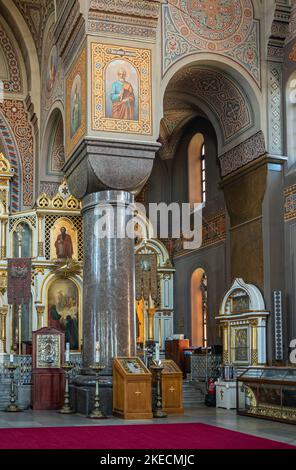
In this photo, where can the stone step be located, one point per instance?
(4, 394)
(193, 394)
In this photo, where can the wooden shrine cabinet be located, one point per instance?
(132, 382)
(172, 387)
(47, 375)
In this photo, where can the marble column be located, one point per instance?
(104, 174)
(108, 280)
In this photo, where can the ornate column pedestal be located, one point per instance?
(108, 292)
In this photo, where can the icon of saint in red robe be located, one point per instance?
(63, 245)
(123, 98)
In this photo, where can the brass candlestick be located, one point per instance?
(66, 408)
(12, 407)
(158, 411)
(96, 412)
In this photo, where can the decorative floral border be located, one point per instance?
(102, 55)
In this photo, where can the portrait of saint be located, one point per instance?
(64, 245)
(241, 344)
(75, 105)
(63, 310)
(52, 69)
(122, 91)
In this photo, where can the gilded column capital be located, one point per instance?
(40, 316)
(3, 282)
(4, 310)
(40, 309)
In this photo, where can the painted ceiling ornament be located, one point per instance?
(224, 27)
(214, 25)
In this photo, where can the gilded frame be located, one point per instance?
(233, 344)
(71, 230)
(80, 310)
(102, 55)
(78, 69)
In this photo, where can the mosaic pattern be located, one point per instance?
(49, 188)
(290, 202)
(16, 116)
(213, 231)
(36, 14)
(246, 152)
(215, 24)
(221, 95)
(275, 108)
(222, 26)
(10, 150)
(142, 8)
(122, 18)
(114, 25)
(14, 83)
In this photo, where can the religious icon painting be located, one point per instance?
(64, 311)
(52, 69)
(240, 345)
(76, 103)
(121, 89)
(63, 240)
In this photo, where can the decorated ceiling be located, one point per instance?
(225, 27)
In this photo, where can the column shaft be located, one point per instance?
(108, 279)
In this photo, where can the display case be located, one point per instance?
(270, 393)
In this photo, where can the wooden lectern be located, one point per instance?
(131, 389)
(47, 375)
(172, 387)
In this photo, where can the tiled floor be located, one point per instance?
(213, 416)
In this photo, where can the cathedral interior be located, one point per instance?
(120, 106)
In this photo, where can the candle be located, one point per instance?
(11, 358)
(97, 352)
(157, 352)
(67, 352)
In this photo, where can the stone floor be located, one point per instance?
(213, 416)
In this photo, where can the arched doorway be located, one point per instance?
(199, 334)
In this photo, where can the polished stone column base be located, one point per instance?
(82, 394)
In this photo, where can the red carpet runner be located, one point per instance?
(162, 436)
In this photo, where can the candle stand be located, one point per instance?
(66, 408)
(158, 411)
(96, 412)
(12, 407)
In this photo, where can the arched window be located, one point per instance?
(199, 308)
(291, 119)
(197, 169)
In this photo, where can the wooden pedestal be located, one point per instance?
(47, 390)
(172, 388)
(131, 389)
(48, 378)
